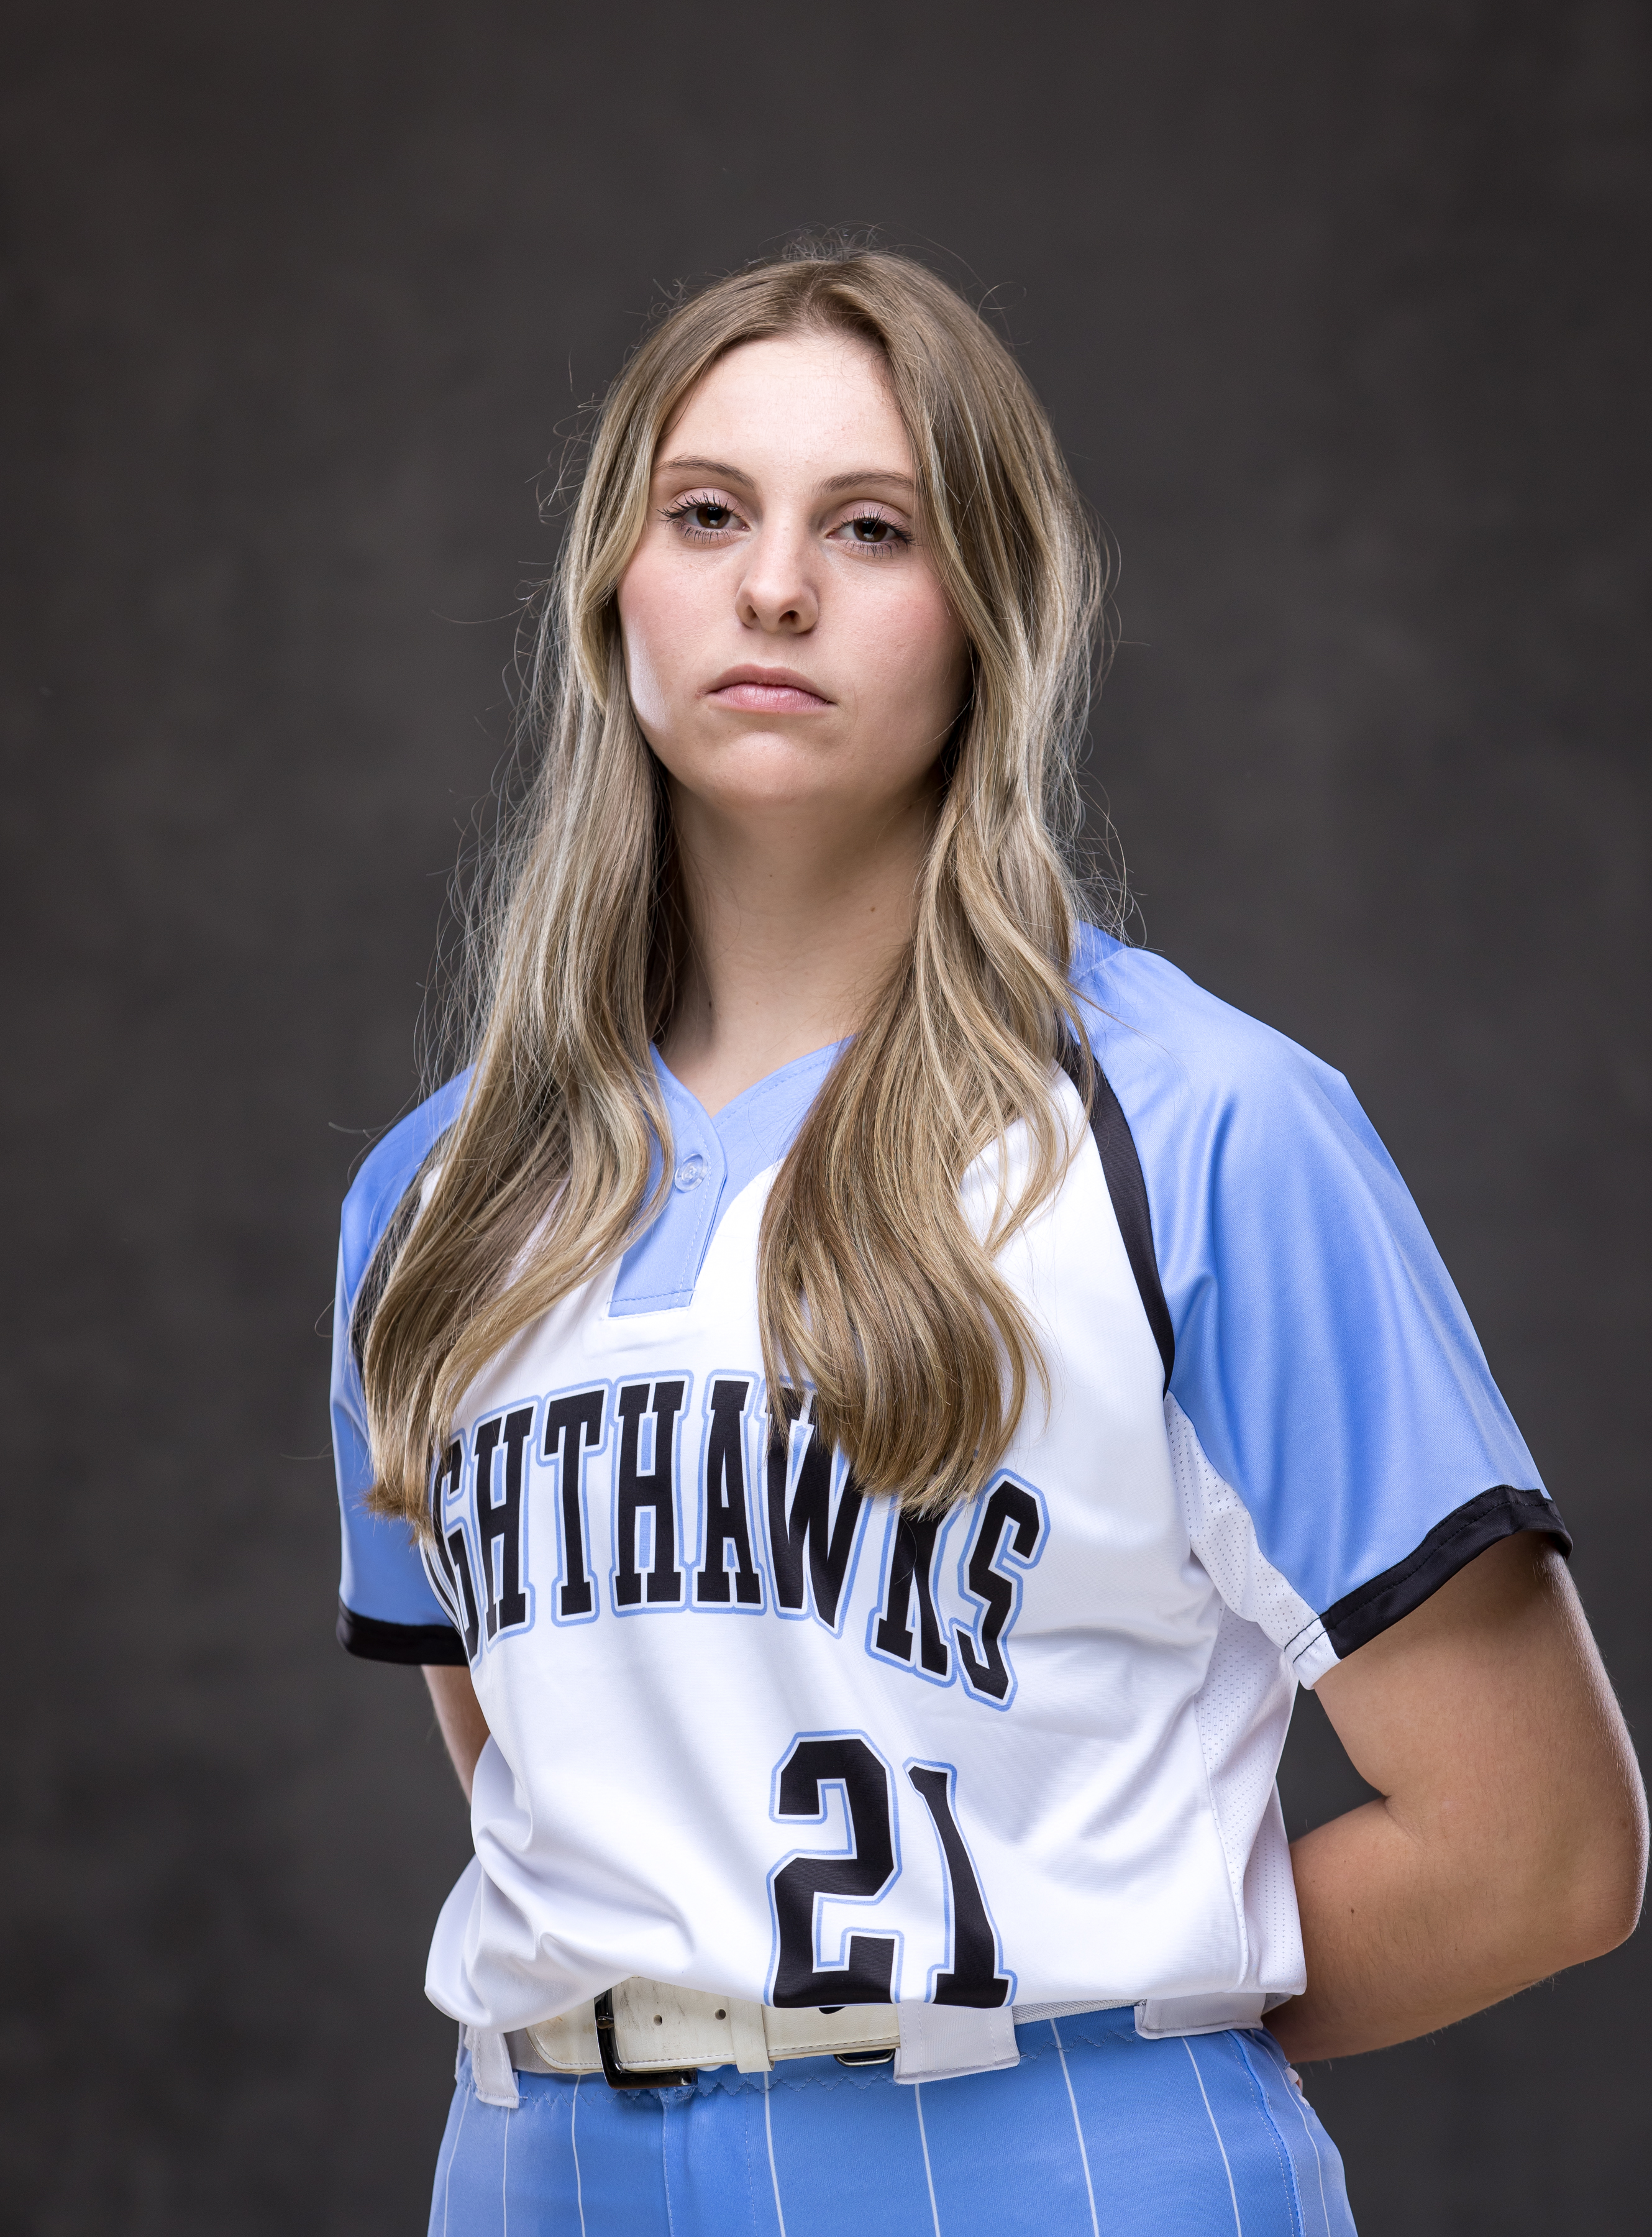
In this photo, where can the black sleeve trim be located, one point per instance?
(378, 1641)
(1121, 1169)
(1449, 1546)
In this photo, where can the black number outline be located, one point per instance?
(868, 1965)
(970, 1974)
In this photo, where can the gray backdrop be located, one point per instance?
(1342, 315)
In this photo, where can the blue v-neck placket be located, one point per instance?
(713, 1160)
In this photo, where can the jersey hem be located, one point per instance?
(375, 1641)
(1362, 1614)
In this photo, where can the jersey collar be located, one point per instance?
(712, 1161)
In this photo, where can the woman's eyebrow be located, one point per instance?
(863, 477)
(860, 478)
(724, 473)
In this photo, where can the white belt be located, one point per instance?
(644, 2033)
(656, 2029)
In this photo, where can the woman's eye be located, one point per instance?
(873, 533)
(702, 516)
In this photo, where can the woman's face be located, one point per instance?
(787, 640)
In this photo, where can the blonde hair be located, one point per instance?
(874, 1291)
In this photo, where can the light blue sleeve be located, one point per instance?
(387, 1611)
(1322, 1355)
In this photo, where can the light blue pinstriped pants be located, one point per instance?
(1095, 2134)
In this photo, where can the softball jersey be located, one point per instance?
(756, 1732)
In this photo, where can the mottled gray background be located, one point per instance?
(1341, 312)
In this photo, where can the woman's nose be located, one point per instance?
(778, 592)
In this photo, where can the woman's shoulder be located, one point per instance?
(1161, 1038)
(384, 1175)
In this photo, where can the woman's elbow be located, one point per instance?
(1595, 1892)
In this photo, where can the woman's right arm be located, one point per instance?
(459, 1715)
(1509, 1835)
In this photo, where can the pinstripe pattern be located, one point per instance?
(1216, 2131)
(447, 2178)
(665, 2157)
(573, 2147)
(1318, 2164)
(768, 2134)
(1078, 2130)
(928, 2173)
(1096, 2133)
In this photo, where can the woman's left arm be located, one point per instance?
(1509, 1839)
(459, 1715)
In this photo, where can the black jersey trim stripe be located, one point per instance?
(1449, 1546)
(374, 1641)
(1121, 1169)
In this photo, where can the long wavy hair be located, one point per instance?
(878, 1296)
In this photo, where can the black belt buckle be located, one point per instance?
(629, 2077)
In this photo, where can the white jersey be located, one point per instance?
(757, 1733)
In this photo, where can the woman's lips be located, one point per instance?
(770, 698)
(779, 692)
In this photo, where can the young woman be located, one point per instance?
(870, 1395)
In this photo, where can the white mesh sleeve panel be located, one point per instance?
(1224, 1538)
(1243, 1710)
(1265, 1636)
(1272, 1926)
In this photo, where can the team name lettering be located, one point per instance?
(726, 1522)
(575, 1425)
(809, 1545)
(500, 1518)
(1011, 1529)
(779, 1521)
(451, 1575)
(910, 1574)
(648, 1493)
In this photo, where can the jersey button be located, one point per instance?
(690, 1172)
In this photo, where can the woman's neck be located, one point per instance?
(795, 927)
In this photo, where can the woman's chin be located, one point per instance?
(774, 785)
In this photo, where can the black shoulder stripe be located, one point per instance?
(1449, 1546)
(378, 1641)
(1121, 1169)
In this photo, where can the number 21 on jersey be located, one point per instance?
(968, 1965)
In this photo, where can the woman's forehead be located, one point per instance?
(806, 397)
